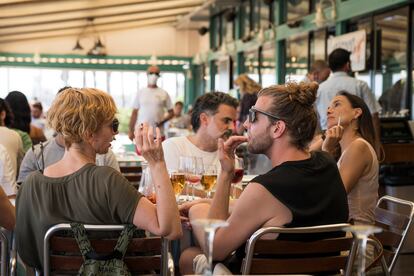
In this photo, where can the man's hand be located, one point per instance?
(227, 151)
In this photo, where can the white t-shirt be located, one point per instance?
(180, 146)
(7, 174)
(152, 104)
(12, 142)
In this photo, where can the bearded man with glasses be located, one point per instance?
(302, 189)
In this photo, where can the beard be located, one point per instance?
(259, 144)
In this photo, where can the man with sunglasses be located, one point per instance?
(302, 189)
(45, 154)
(150, 104)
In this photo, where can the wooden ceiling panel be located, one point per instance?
(74, 32)
(38, 19)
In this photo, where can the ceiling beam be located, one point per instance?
(44, 8)
(97, 22)
(75, 32)
(99, 13)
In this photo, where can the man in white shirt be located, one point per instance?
(212, 118)
(150, 104)
(340, 64)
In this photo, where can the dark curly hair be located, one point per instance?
(4, 106)
(209, 103)
(21, 110)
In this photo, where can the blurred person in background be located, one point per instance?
(10, 139)
(248, 94)
(319, 72)
(150, 104)
(38, 120)
(22, 118)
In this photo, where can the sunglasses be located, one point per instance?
(115, 125)
(154, 73)
(253, 116)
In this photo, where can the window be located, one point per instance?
(267, 68)
(391, 69)
(296, 57)
(43, 84)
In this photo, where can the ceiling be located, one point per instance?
(22, 20)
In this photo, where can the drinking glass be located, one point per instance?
(184, 166)
(195, 171)
(178, 181)
(209, 178)
(238, 176)
(361, 232)
(209, 226)
(146, 186)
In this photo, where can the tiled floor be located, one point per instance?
(404, 265)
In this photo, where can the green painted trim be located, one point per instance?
(345, 10)
(133, 63)
(340, 28)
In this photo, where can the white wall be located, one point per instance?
(158, 40)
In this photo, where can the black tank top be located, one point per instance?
(312, 190)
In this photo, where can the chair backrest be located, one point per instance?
(4, 259)
(299, 257)
(132, 173)
(395, 225)
(61, 254)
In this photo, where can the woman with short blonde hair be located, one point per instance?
(74, 189)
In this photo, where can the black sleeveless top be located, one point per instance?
(311, 189)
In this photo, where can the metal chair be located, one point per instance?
(300, 257)
(4, 251)
(61, 253)
(395, 227)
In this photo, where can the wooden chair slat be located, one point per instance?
(133, 178)
(132, 169)
(293, 247)
(396, 220)
(389, 239)
(307, 265)
(137, 245)
(65, 264)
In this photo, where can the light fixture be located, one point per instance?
(98, 48)
(320, 18)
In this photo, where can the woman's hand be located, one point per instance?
(150, 148)
(227, 151)
(332, 138)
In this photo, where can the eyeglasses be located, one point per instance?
(154, 73)
(115, 125)
(252, 115)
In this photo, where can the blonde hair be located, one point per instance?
(247, 85)
(76, 113)
(293, 103)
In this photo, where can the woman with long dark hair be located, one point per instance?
(22, 118)
(350, 125)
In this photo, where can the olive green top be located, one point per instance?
(27, 141)
(92, 195)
